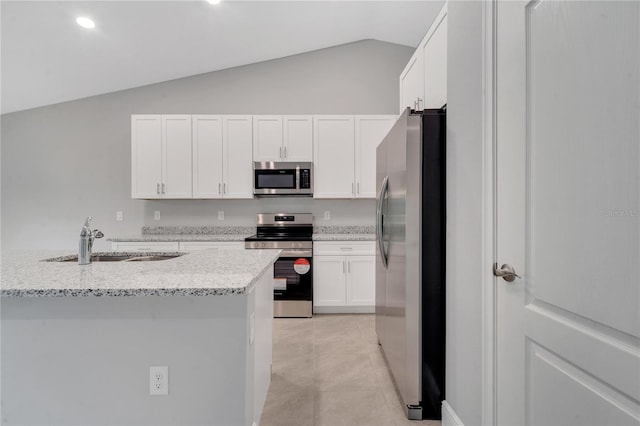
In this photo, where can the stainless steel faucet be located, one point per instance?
(86, 242)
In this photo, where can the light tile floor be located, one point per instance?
(328, 371)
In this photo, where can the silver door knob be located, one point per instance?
(506, 271)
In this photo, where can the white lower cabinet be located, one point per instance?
(145, 246)
(344, 277)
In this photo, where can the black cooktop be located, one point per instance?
(279, 238)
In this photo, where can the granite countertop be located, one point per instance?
(203, 273)
(189, 233)
(181, 237)
(239, 233)
(344, 233)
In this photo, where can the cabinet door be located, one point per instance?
(204, 245)
(176, 156)
(267, 138)
(237, 147)
(207, 156)
(329, 281)
(361, 285)
(435, 63)
(334, 156)
(146, 156)
(298, 137)
(370, 130)
(412, 83)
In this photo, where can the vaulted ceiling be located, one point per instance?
(47, 58)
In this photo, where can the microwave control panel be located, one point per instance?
(305, 179)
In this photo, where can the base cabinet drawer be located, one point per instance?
(203, 245)
(344, 248)
(145, 246)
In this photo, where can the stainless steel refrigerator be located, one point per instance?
(410, 261)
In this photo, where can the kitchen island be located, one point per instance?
(78, 341)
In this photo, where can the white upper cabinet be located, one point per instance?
(333, 147)
(435, 64)
(412, 83)
(345, 154)
(237, 142)
(282, 138)
(267, 141)
(146, 156)
(161, 156)
(423, 82)
(207, 156)
(184, 156)
(370, 130)
(297, 137)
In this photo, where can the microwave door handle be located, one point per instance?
(298, 178)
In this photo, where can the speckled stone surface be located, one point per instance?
(198, 230)
(344, 233)
(181, 237)
(356, 229)
(189, 233)
(202, 273)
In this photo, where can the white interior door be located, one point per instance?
(568, 212)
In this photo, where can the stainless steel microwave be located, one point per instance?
(272, 179)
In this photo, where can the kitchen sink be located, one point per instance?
(118, 257)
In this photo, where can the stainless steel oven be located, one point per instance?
(293, 271)
(282, 178)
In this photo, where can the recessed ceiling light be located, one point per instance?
(214, 1)
(85, 22)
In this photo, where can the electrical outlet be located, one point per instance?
(119, 216)
(156, 215)
(327, 215)
(159, 380)
(220, 215)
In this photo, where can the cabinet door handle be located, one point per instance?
(348, 266)
(285, 152)
(157, 188)
(163, 188)
(353, 191)
(224, 188)
(219, 188)
(358, 188)
(344, 267)
(419, 100)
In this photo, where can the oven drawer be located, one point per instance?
(344, 248)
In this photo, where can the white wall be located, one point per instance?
(63, 162)
(464, 210)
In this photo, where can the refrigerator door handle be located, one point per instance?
(379, 219)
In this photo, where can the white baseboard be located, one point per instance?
(344, 309)
(449, 417)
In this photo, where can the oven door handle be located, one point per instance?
(296, 253)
